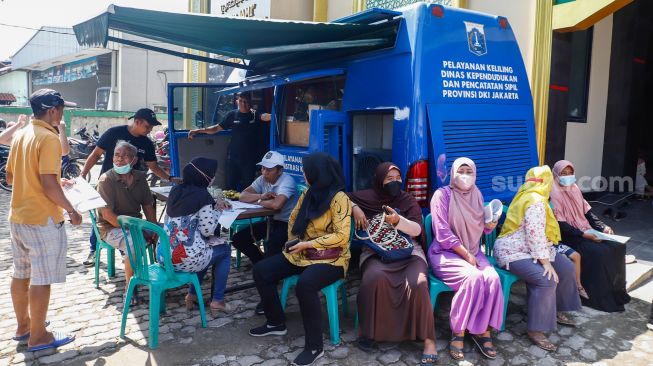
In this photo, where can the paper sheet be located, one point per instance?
(82, 195)
(604, 236)
(237, 205)
(162, 190)
(228, 217)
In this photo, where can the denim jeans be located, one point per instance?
(220, 260)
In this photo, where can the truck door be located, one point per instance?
(328, 134)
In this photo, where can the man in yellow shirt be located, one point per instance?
(38, 236)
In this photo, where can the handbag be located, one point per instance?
(313, 254)
(385, 240)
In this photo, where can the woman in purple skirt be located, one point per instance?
(525, 248)
(456, 259)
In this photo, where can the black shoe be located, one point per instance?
(259, 309)
(90, 260)
(266, 330)
(307, 357)
(366, 344)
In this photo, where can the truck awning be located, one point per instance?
(267, 45)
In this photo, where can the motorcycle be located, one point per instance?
(81, 148)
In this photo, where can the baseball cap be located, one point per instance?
(148, 115)
(44, 99)
(271, 159)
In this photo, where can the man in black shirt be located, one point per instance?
(136, 134)
(246, 130)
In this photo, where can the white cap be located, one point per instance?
(271, 159)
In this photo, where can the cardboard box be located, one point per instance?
(297, 133)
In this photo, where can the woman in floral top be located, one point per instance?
(525, 247)
(191, 222)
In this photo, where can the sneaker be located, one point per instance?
(90, 260)
(259, 309)
(267, 329)
(307, 357)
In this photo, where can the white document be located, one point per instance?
(493, 211)
(161, 190)
(228, 217)
(82, 195)
(611, 237)
(237, 205)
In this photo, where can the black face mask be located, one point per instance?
(393, 188)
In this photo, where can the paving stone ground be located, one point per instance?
(94, 316)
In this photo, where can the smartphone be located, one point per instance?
(386, 209)
(289, 244)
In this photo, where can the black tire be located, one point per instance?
(3, 178)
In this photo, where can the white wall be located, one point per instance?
(292, 10)
(339, 9)
(15, 82)
(139, 83)
(584, 144)
(521, 16)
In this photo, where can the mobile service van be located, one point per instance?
(419, 86)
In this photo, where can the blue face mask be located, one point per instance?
(122, 169)
(567, 180)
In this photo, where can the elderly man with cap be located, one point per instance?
(273, 189)
(136, 134)
(38, 235)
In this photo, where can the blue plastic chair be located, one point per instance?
(331, 295)
(101, 244)
(159, 277)
(507, 278)
(436, 286)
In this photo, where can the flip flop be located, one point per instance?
(564, 320)
(480, 341)
(25, 336)
(428, 360)
(455, 352)
(583, 293)
(544, 343)
(59, 340)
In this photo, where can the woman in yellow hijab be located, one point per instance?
(525, 247)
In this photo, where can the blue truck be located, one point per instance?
(446, 83)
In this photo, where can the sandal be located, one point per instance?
(366, 344)
(456, 352)
(583, 293)
(564, 320)
(190, 302)
(134, 299)
(428, 360)
(485, 350)
(543, 342)
(217, 309)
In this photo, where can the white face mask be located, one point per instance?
(464, 181)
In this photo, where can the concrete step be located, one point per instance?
(637, 273)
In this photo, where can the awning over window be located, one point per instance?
(267, 45)
(6, 98)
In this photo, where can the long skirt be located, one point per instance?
(393, 301)
(603, 274)
(478, 301)
(545, 297)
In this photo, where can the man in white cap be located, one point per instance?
(273, 189)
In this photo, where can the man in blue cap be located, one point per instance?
(38, 236)
(135, 133)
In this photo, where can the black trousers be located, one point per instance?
(240, 173)
(268, 273)
(244, 242)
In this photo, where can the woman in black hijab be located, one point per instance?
(191, 221)
(321, 223)
(393, 298)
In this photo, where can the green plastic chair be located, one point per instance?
(507, 278)
(330, 294)
(436, 286)
(239, 225)
(101, 244)
(158, 277)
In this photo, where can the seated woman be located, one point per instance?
(456, 259)
(525, 248)
(321, 221)
(191, 222)
(393, 298)
(603, 268)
